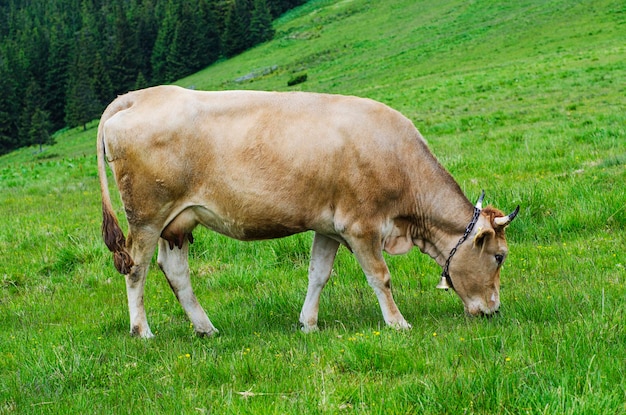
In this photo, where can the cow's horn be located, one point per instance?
(505, 220)
(479, 203)
(443, 284)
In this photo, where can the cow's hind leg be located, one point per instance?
(369, 254)
(141, 247)
(175, 265)
(322, 258)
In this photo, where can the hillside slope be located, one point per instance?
(441, 63)
(409, 53)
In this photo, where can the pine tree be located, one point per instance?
(82, 103)
(143, 19)
(140, 82)
(32, 102)
(56, 77)
(17, 79)
(39, 131)
(9, 108)
(236, 37)
(102, 85)
(208, 42)
(181, 58)
(163, 41)
(124, 57)
(261, 29)
(220, 9)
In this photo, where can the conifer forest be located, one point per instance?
(63, 61)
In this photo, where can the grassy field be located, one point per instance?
(525, 99)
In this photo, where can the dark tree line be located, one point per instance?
(63, 61)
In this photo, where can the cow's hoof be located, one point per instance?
(208, 333)
(401, 325)
(142, 333)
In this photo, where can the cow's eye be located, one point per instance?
(499, 258)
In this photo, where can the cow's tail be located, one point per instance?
(111, 231)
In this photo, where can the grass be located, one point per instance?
(524, 99)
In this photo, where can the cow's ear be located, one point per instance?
(482, 235)
(399, 241)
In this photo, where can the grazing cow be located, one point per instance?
(259, 165)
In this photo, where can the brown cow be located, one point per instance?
(258, 165)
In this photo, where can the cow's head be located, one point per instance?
(473, 268)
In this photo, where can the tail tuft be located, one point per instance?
(123, 262)
(115, 241)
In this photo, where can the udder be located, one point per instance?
(180, 228)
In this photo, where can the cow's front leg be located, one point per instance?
(322, 257)
(175, 265)
(369, 254)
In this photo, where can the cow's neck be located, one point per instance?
(441, 221)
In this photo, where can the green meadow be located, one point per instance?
(525, 99)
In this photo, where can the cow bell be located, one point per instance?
(443, 284)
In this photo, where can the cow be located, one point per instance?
(256, 165)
